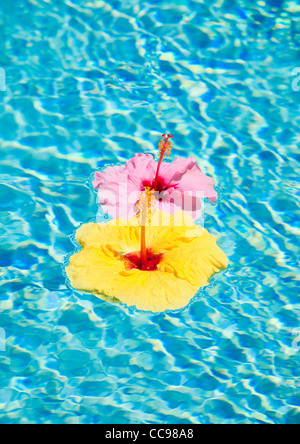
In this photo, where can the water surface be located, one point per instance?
(92, 83)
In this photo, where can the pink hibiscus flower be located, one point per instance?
(177, 185)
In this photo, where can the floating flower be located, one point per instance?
(155, 263)
(177, 185)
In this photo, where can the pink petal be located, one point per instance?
(175, 199)
(173, 171)
(185, 174)
(120, 186)
(141, 168)
(111, 174)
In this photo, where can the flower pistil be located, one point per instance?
(164, 146)
(145, 260)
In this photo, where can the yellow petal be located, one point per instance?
(195, 261)
(95, 270)
(124, 239)
(163, 231)
(124, 236)
(181, 272)
(154, 290)
(190, 257)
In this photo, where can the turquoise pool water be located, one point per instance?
(90, 83)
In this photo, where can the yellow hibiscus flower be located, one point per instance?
(181, 259)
